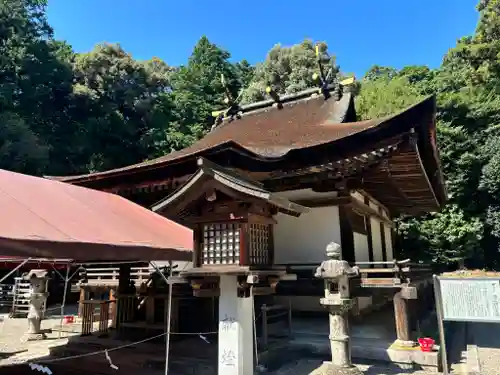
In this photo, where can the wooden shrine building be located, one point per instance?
(274, 182)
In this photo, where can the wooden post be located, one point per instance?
(402, 320)
(150, 309)
(112, 307)
(103, 317)
(83, 297)
(264, 333)
(123, 288)
(174, 324)
(87, 318)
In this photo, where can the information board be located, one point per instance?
(470, 300)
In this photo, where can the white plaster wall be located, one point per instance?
(388, 243)
(376, 236)
(303, 239)
(378, 254)
(361, 251)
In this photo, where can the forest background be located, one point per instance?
(64, 113)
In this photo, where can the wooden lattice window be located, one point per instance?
(259, 242)
(221, 243)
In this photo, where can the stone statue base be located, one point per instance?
(33, 337)
(328, 368)
(404, 344)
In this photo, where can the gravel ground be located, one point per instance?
(306, 366)
(487, 338)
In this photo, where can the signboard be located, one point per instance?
(465, 299)
(470, 300)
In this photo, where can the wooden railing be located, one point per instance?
(383, 274)
(109, 276)
(92, 309)
(271, 315)
(392, 274)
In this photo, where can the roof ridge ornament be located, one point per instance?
(275, 96)
(328, 80)
(233, 106)
(329, 86)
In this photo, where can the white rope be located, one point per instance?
(104, 351)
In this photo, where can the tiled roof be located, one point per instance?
(268, 133)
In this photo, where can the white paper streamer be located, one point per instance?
(204, 339)
(114, 367)
(40, 368)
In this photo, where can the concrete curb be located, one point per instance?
(472, 364)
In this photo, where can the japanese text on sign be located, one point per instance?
(470, 300)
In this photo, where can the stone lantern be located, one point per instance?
(337, 300)
(38, 298)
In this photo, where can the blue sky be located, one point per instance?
(359, 32)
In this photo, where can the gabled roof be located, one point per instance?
(267, 133)
(283, 143)
(228, 181)
(49, 219)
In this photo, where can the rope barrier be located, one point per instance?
(104, 351)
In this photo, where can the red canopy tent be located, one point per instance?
(54, 220)
(12, 262)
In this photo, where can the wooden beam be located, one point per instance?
(369, 235)
(382, 237)
(369, 211)
(371, 198)
(323, 202)
(384, 245)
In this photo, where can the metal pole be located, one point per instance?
(169, 316)
(254, 318)
(169, 311)
(439, 316)
(14, 270)
(63, 305)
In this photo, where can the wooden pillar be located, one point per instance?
(83, 297)
(346, 235)
(150, 309)
(103, 317)
(174, 319)
(87, 318)
(112, 307)
(402, 320)
(369, 235)
(123, 288)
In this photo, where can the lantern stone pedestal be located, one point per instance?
(38, 297)
(336, 273)
(235, 329)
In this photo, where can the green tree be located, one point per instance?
(20, 148)
(198, 89)
(288, 70)
(384, 96)
(245, 72)
(467, 86)
(35, 86)
(116, 97)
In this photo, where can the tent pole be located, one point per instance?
(63, 305)
(169, 311)
(14, 270)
